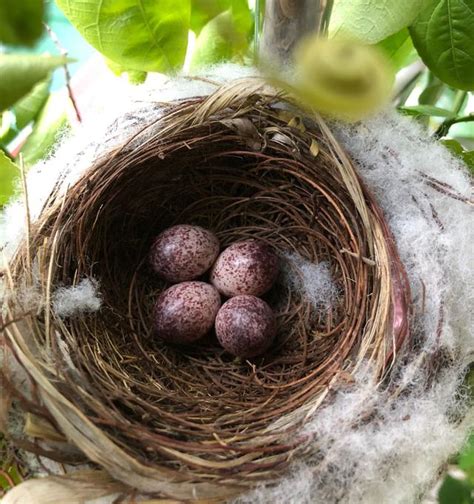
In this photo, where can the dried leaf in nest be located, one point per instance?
(314, 148)
(246, 130)
(195, 423)
(37, 427)
(77, 488)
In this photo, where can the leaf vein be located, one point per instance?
(152, 33)
(97, 22)
(451, 39)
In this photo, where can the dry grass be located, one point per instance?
(194, 422)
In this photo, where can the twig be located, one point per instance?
(67, 74)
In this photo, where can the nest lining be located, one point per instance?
(267, 184)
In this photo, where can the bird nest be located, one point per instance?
(194, 422)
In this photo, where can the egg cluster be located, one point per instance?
(245, 325)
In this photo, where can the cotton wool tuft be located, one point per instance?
(395, 456)
(312, 280)
(76, 299)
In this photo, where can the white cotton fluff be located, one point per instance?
(391, 459)
(393, 456)
(312, 280)
(76, 299)
(393, 154)
(26, 298)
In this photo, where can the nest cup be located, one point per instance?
(193, 422)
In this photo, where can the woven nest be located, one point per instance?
(195, 422)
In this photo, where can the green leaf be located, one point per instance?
(21, 72)
(28, 108)
(202, 11)
(220, 40)
(443, 35)
(52, 120)
(7, 127)
(136, 77)
(399, 49)
(468, 157)
(115, 68)
(144, 35)
(454, 491)
(453, 146)
(427, 110)
(466, 458)
(9, 173)
(243, 19)
(23, 112)
(11, 470)
(21, 21)
(371, 21)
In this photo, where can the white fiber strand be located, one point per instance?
(312, 280)
(77, 299)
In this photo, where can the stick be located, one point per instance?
(67, 74)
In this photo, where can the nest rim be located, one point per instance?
(198, 457)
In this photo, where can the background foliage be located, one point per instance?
(430, 43)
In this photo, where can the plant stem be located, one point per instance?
(443, 128)
(459, 100)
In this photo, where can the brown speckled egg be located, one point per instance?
(245, 326)
(186, 311)
(246, 267)
(183, 252)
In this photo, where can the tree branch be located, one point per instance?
(67, 75)
(286, 22)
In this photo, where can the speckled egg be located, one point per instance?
(245, 326)
(185, 312)
(183, 252)
(246, 267)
